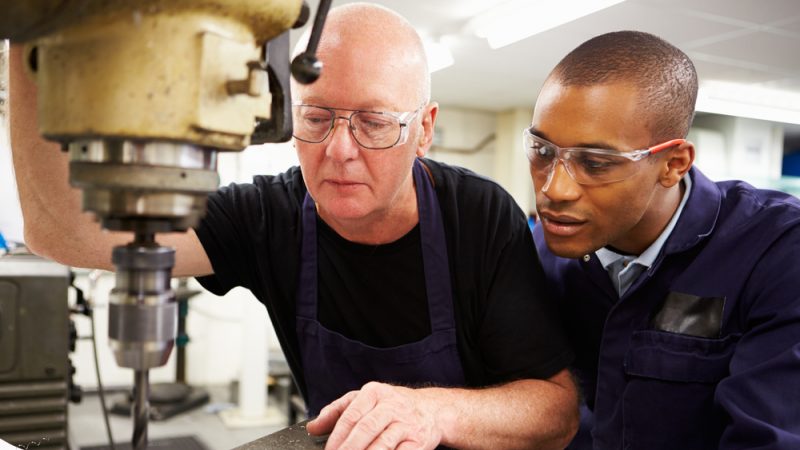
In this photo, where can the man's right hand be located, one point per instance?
(379, 416)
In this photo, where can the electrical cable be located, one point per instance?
(93, 275)
(100, 389)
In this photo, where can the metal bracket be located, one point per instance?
(278, 128)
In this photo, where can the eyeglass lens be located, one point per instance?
(370, 129)
(585, 166)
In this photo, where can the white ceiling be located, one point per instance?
(744, 41)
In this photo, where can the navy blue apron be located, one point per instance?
(334, 364)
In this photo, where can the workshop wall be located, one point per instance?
(466, 138)
(751, 150)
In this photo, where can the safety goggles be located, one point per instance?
(587, 166)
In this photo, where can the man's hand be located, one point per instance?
(379, 416)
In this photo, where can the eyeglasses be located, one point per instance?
(587, 166)
(371, 129)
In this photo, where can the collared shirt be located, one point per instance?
(625, 269)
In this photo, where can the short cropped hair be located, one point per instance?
(664, 74)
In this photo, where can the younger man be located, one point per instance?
(680, 294)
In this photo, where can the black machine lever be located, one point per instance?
(306, 68)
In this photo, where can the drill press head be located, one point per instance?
(143, 94)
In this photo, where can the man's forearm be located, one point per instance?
(55, 225)
(520, 414)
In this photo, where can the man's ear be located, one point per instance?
(425, 141)
(677, 163)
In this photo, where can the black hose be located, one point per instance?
(100, 389)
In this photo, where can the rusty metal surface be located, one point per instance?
(294, 437)
(30, 19)
(148, 70)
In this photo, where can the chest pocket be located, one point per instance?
(668, 400)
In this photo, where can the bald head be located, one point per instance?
(665, 77)
(359, 36)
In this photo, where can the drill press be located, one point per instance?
(143, 94)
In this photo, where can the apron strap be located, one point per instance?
(435, 262)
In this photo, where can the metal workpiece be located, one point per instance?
(294, 437)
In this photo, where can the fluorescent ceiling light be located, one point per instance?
(754, 102)
(514, 20)
(439, 55)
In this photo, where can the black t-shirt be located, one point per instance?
(506, 324)
(372, 293)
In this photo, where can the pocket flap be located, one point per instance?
(675, 357)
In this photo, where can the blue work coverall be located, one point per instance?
(703, 350)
